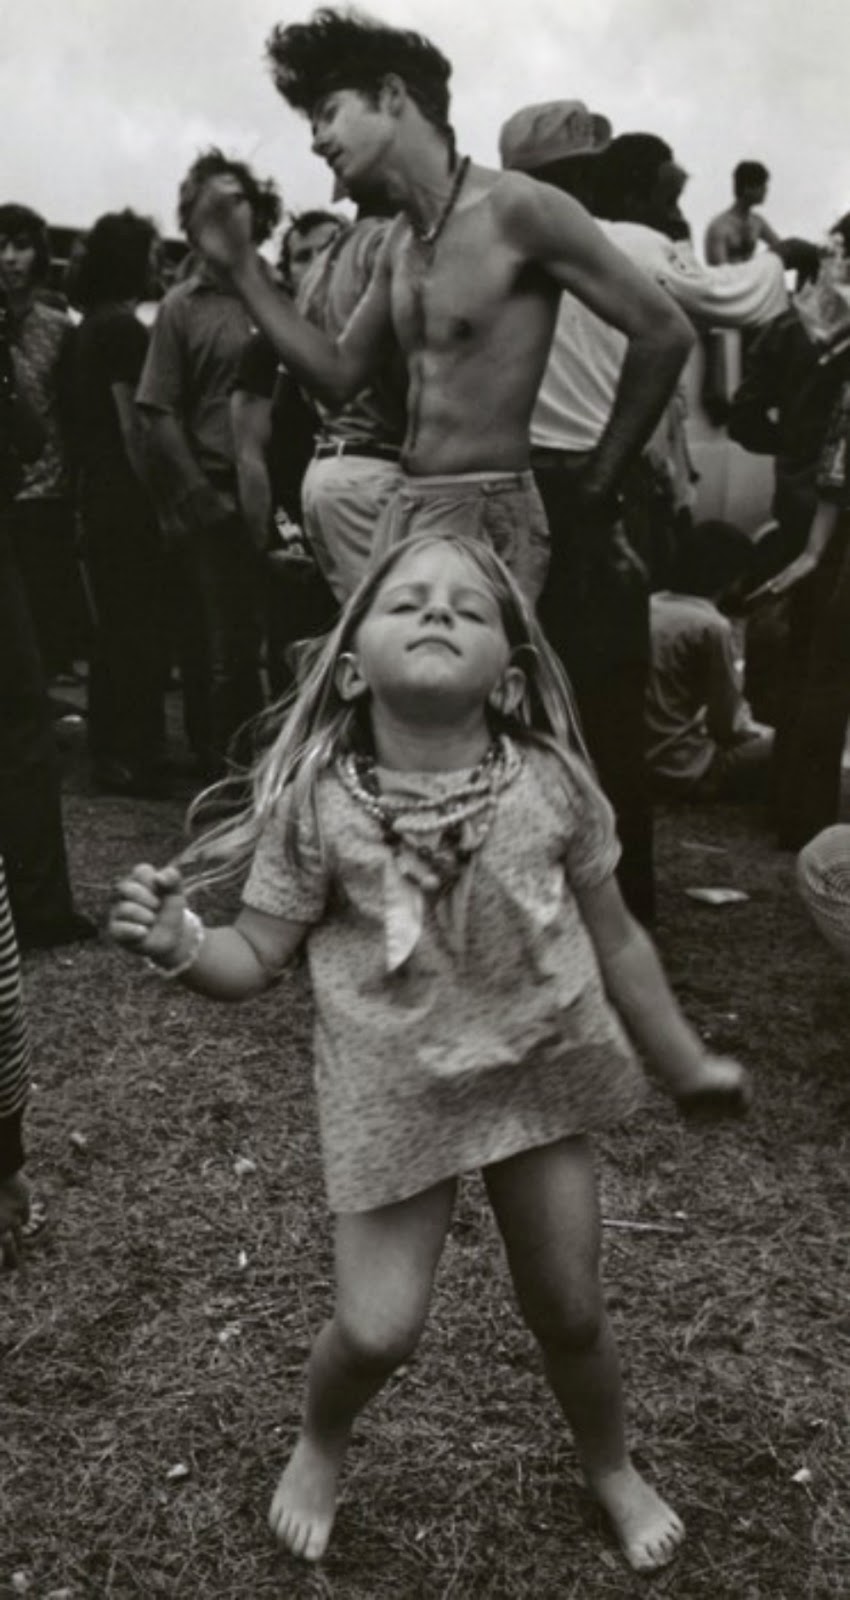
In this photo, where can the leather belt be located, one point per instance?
(342, 447)
(544, 455)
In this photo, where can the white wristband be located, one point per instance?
(192, 936)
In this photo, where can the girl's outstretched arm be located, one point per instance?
(638, 988)
(149, 915)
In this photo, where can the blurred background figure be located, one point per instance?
(703, 743)
(114, 272)
(185, 387)
(735, 234)
(41, 522)
(793, 373)
(812, 735)
(274, 430)
(31, 832)
(793, 404)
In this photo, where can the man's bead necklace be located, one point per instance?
(429, 236)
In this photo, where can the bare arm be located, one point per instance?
(135, 436)
(184, 494)
(251, 416)
(638, 988)
(243, 959)
(334, 370)
(823, 526)
(232, 963)
(766, 232)
(561, 236)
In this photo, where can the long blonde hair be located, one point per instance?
(318, 725)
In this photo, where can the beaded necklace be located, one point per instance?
(429, 236)
(457, 824)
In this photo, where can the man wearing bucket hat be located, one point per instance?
(595, 606)
(468, 282)
(537, 137)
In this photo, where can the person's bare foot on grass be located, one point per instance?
(648, 1530)
(720, 1087)
(302, 1510)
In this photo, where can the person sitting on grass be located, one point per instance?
(424, 821)
(703, 743)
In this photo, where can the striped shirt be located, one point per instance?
(14, 1043)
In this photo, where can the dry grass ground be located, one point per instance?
(167, 1308)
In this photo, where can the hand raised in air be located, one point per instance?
(222, 225)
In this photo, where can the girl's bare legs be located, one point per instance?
(546, 1205)
(385, 1265)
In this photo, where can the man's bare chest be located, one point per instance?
(456, 295)
(743, 236)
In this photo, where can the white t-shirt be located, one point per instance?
(577, 393)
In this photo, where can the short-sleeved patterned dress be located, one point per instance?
(467, 1054)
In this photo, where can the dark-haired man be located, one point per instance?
(735, 234)
(468, 282)
(185, 386)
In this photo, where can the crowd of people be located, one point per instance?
(425, 486)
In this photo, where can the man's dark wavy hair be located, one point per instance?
(347, 50)
(263, 198)
(114, 260)
(628, 169)
(21, 222)
(747, 174)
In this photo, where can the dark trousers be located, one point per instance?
(815, 702)
(43, 532)
(218, 636)
(125, 562)
(300, 607)
(595, 614)
(31, 835)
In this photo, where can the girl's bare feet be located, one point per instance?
(648, 1530)
(302, 1511)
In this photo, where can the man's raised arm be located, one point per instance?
(333, 370)
(563, 238)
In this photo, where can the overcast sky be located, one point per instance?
(107, 101)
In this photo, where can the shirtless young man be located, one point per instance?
(735, 234)
(469, 280)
